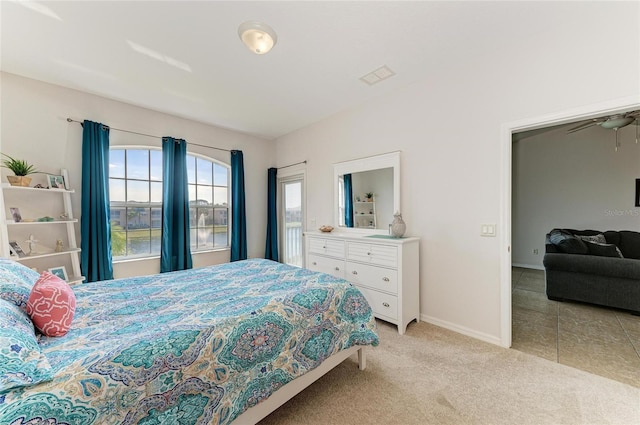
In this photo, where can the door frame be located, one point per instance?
(506, 131)
(291, 174)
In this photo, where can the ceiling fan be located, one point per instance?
(612, 122)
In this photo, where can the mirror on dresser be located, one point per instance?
(353, 180)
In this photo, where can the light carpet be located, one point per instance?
(435, 376)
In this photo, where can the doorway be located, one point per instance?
(292, 218)
(561, 332)
(506, 175)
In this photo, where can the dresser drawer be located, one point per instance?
(326, 247)
(382, 255)
(373, 277)
(358, 252)
(383, 305)
(331, 266)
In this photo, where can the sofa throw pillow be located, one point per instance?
(604, 249)
(22, 363)
(51, 305)
(599, 238)
(567, 242)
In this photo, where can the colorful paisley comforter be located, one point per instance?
(192, 347)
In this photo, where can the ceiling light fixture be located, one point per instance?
(258, 37)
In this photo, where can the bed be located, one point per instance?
(210, 345)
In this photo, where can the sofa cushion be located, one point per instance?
(604, 249)
(629, 244)
(567, 242)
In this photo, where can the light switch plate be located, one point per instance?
(488, 229)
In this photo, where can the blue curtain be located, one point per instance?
(238, 212)
(175, 251)
(95, 225)
(271, 250)
(348, 200)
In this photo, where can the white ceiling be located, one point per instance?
(197, 67)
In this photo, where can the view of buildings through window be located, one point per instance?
(135, 190)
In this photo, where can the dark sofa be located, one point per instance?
(581, 266)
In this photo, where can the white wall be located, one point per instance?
(34, 128)
(575, 181)
(448, 128)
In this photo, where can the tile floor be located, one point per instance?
(595, 339)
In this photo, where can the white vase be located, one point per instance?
(398, 227)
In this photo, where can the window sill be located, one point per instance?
(208, 250)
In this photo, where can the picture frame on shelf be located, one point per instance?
(65, 178)
(60, 272)
(15, 213)
(16, 249)
(56, 182)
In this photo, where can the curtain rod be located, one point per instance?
(291, 165)
(151, 135)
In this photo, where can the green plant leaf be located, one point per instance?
(19, 167)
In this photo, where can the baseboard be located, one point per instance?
(528, 266)
(462, 330)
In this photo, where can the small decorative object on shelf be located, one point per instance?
(31, 240)
(20, 168)
(59, 246)
(60, 271)
(17, 249)
(326, 228)
(398, 227)
(15, 213)
(65, 178)
(369, 196)
(45, 218)
(56, 182)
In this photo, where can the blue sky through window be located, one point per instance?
(143, 170)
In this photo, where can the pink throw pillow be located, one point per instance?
(51, 305)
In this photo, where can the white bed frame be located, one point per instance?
(256, 413)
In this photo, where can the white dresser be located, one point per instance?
(386, 270)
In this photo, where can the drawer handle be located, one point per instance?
(337, 268)
(324, 247)
(368, 253)
(386, 279)
(354, 272)
(315, 264)
(385, 304)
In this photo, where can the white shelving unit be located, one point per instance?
(364, 214)
(35, 203)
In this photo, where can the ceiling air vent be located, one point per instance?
(378, 75)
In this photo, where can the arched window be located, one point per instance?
(135, 191)
(208, 202)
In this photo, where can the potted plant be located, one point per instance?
(20, 168)
(369, 196)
